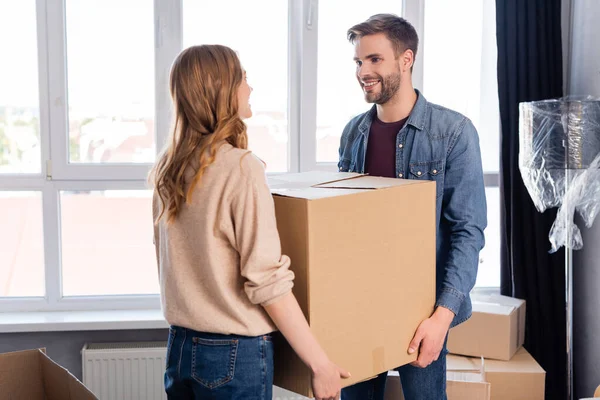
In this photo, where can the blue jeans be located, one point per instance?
(218, 367)
(417, 383)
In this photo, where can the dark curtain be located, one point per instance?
(530, 68)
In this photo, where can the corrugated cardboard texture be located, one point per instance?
(60, 384)
(461, 390)
(293, 229)
(33, 375)
(355, 255)
(496, 330)
(21, 376)
(521, 378)
(518, 379)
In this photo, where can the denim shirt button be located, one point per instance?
(400, 175)
(434, 171)
(419, 173)
(401, 145)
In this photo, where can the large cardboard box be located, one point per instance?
(32, 375)
(465, 381)
(521, 378)
(496, 330)
(360, 247)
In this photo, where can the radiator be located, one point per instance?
(125, 371)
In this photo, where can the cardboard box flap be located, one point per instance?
(367, 182)
(60, 384)
(313, 193)
(21, 375)
(307, 185)
(462, 364)
(319, 184)
(308, 179)
(497, 299)
(495, 304)
(491, 308)
(465, 371)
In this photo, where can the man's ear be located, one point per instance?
(407, 60)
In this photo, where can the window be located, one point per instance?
(21, 244)
(489, 264)
(109, 78)
(339, 96)
(266, 69)
(106, 239)
(460, 73)
(86, 108)
(19, 97)
(77, 138)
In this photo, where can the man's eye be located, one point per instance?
(375, 59)
(358, 63)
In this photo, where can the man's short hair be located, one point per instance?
(398, 31)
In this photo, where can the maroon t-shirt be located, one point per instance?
(381, 148)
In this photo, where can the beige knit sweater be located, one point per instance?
(220, 260)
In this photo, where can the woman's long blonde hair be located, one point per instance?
(204, 86)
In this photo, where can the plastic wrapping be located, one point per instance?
(559, 160)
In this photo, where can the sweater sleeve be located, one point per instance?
(262, 264)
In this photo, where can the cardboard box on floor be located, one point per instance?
(467, 384)
(464, 382)
(360, 247)
(496, 330)
(32, 375)
(521, 378)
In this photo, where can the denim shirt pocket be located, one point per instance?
(429, 170)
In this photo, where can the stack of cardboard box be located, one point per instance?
(487, 360)
(465, 383)
(495, 333)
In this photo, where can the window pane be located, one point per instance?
(339, 96)
(21, 244)
(489, 258)
(110, 59)
(19, 96)
(460, 66)
(254, 27)
(107, 243)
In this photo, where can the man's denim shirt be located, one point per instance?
(440, 145)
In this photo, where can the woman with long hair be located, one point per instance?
(225, 285)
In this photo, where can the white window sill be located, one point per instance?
(58, 321)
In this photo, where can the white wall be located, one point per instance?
(583, 70)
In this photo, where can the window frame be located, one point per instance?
(57, 174)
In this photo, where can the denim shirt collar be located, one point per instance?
(416, 117)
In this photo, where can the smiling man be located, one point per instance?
(405, 136)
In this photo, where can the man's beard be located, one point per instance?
(389, 87)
